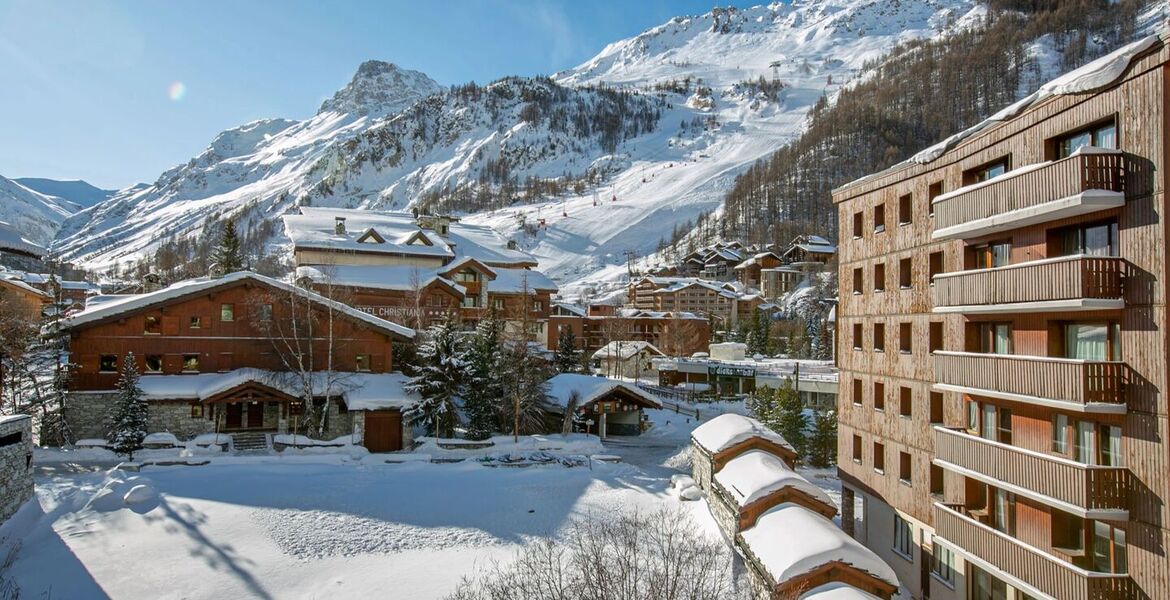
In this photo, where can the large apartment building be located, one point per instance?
(1003, 347)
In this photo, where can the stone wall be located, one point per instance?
(86, 414)
(16, 483)
(701, 468)
(725, 512)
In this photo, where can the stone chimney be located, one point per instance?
(339, 225)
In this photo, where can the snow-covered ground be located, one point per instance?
(341, 524)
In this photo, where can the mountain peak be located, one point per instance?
(380, 88)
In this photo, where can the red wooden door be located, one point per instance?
(255, 414)
(235, 414)
(383, 431)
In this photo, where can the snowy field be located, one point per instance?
(341, 525)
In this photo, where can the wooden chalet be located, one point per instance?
(615, 407)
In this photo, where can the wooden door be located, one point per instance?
(383, 431)
(255, 415)
(235, 414)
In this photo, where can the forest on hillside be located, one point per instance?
(917, 95)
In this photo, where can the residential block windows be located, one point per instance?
(1060, 434)
(1101, 135)
(903, 537)
(905, 401)
(1093, 239)
(857, 449)
(498, 303)
(537, 305)
(879, 396)
(936, 408)
(858, 281)
(154, 363)
(195, 322)
(856, 392)
(943, 564)
(153, 325)
(905, 209)
(934, 191)
(108, 363)
(994, 254)
(906, 273)
(857, 336)
(989, 421)
(936, 336)
(937, 480)
(190, 363)
(858, 226)
(905, 338)
(227, 312)
(879, 457)
(905, 468)
(879, 277)
(987, 171)
(936, 265)
(879, 218)
(992, 338)
(362, 362)
(879, 337)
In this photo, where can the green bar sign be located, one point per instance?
(729, 371)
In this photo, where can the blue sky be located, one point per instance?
(86, 82)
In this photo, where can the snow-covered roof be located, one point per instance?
(625, 349)
(360, 391)
(817, 248)
(590, 388)
(11, 239)
(12, 418)
(105, 308)
(43, 279)
(837, 591)
(314, 227)
(571, 308)
(755, 259)
(24, 287)
(377, 277)
(789, 541)
(512, 281)
(1093, 76)
(729, 429)
(755, 474)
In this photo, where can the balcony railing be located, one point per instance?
(1093, 386)
(1090, 281)
(1088, 487)
(1021, 198)
(1042, 571)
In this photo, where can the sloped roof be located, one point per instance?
(402, 278)
(590, 388)
(625, 349)
(512, 281)
(755, 474)
(134, 302)
(11, 239)
(729, 429)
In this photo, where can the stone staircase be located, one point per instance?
(250, 442)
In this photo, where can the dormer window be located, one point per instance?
(419, 239)
(371, 237)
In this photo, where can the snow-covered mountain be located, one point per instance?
(644, 136)
(35, 215)
(81, 193)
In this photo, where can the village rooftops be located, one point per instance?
(789, 541)
(753, 475)
(99, 309)
(379, 277)
(624, 349)
(398, 233)
(590, 388)
(12, 241)
(728, 430)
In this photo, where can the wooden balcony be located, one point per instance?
(1070, 384)
(1058, 284)
(1029, 566)
(1089, 491)
(1088, 181)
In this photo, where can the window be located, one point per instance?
(879, 396)
(906, 209)
(470, 302)
(362, 362)
(936, 336)
(265, 312)
(905, 273)
(195, 322)
(1004, 512)
(857, 449)
(1109, 554)
(196, 410)
(858, 281)
(934, 191)
(987, 171)
(879, 457)
(936, 407)
(995, 254)
(342, 407)
(537, 305)
(498, 303)
(1101, 136)
(1092, 341)
(997, 423)
(973, 418)
(153, 325)
(993, 338)
(905, 401)
(1085, 443)
(943, 565)
(937, 480)
(904, 468)
(1060, 434)
(108, 363)
(856, 392)
(857, 344)
(154, 363)
(1110, 443)
(858, 227)
(1004, 432)
(879, 337)
(936, 265)
(1095, 239)
(467, 276)
(227, 312)
(905, 338)
(1068, 533)
(190, 363)
(903, 537)
(879, 277)
(879, 218)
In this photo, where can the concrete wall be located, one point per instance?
(16, 484)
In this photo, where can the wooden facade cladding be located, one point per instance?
(1033, 189)
(1063, 382)
(1061, 482)
(1047, 574)
(1073, 278)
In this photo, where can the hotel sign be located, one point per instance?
(730, 371)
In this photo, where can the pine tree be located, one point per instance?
(522, 407)
(568, 355)
(226, 255)
(128, 421)
(482, 387)
(442, 361)
(822, 446)
(762, 403)
(791, 422)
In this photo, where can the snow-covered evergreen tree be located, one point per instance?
(525, 392)
(442, 362)
(791, 421)
(568, 355)
(127, 421)
(482, 386)
(822, 445)
(227, 256)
